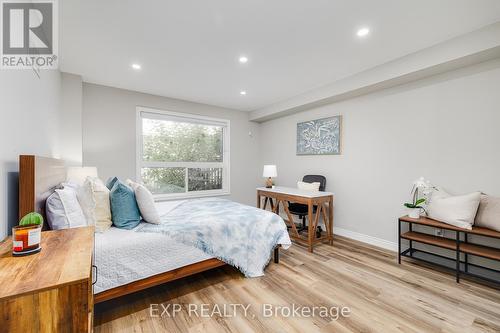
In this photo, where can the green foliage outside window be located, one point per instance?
(169, 141)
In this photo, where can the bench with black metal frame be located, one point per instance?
(460, 244)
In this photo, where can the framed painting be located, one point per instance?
(320, 136)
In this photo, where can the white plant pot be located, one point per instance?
(414, 213)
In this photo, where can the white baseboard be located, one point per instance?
(385, 244)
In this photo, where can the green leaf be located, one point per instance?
(409, 205)
(419, 201)
(31, 219)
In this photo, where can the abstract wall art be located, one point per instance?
(320, 136)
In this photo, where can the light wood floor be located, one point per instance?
(382, 296)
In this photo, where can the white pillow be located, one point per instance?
(458, 211)
(308, 186)
(488, 213)
(102, 211)
(85, 199)
(146, 202)
(63, 210)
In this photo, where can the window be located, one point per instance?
(182, 155)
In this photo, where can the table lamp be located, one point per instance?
(269, 172)
(78, 175)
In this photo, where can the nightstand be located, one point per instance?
(50, 291)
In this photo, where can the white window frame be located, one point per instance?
(192, 118)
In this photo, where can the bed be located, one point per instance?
(138, 256)
(125, 261)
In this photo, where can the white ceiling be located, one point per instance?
(189, 49)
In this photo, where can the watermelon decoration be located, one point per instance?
(31, 219)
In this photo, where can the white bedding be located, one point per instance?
(165, 207)
(123, 256)
(240, 235)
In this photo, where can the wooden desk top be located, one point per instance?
(295, 192)
(65, 258)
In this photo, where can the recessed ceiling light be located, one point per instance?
(243, 92)
(363, 32)
(243, 59)
(136, 67)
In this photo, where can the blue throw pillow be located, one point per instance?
(124, 209)
(110, 182)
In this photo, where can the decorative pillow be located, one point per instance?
(124, 207)
(102, 210)
(457, 210)
(146, 202)
(63, 210)
(488, 213)
(110, 182)
(85, 199)
(308, 186)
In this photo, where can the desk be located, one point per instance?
(323, 200)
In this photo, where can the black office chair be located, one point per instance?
(300, 209)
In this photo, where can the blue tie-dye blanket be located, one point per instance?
(240, 235)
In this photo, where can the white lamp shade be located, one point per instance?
(78, 175)
(270, 171)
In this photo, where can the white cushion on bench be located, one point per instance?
(488, 213)
(459, 210)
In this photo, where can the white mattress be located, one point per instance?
(123, 256)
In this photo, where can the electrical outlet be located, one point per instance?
(439, 232)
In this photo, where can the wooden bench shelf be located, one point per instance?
(440, 225)
(447, 243)
(480, 250)
(431, 240)
(460, 244)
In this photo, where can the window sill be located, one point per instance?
(184, 196)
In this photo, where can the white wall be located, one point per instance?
(71, 119)
(29, 122)
(109, 116)
(445, 128)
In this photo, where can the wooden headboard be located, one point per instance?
(38, 177)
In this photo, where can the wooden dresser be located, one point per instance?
(50, 291)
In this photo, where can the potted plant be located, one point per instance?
(416, 206)
(26, 236)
